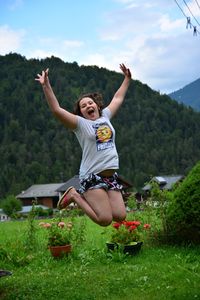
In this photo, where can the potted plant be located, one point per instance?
(59, 236)
(126, 235)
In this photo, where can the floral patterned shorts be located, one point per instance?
(94, 181)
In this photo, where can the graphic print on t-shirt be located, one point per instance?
(104, 136)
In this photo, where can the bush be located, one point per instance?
(11, 206)
(183, 211)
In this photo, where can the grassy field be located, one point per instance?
(91, 273)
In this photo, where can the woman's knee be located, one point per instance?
(119, 217)
(105, 220)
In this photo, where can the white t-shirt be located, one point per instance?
(97, 140)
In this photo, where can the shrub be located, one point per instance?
(183, 211)
(11, 205)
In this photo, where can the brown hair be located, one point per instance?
(96, 97)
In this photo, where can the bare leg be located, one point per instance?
(117, 205)
(95, 204)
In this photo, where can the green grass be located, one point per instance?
(90, 273)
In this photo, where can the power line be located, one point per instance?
(197, 3)
(181, 9)
(188, 18)
(191, 12)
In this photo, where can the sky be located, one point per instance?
(148, 36)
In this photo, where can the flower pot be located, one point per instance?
(59, 251)
(131, 249)
(5, 273)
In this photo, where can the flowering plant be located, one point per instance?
(59, 233)
(127, 232)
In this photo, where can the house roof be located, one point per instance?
(165, 182)
(41, 190)
(74, 181)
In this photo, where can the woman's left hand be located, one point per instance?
(125, 70)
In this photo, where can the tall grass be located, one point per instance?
(90, 272)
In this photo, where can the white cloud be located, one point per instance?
(47, 47)
(59, 43)
(96, 59)
(195, 7)
(39, 53)
(168, 25)
(155, 43)
(10, 40)
(192, 8)
(152, 41)
(148, 36)
(72, 43)
(16, 4)
(164, 65)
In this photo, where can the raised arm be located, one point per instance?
(67, 118)
(118, 98)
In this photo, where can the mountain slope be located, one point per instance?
(155, 135)
(189, 95)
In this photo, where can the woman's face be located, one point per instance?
(89, 109)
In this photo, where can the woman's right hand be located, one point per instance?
(43, 78)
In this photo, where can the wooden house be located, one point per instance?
(43, 194)
(165, 182)
(49, 194)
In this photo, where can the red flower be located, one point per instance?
(128, 223)
(127, 232)
(116, 225)
(136, 223)
(132, 227)
(147, 226)
(131, 223)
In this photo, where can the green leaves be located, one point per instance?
(11, 205)
(183, 213)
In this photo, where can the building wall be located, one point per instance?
(4, 217)
(47, 201)
(27, 201)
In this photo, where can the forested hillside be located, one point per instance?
(155, 135)
(189, 95)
